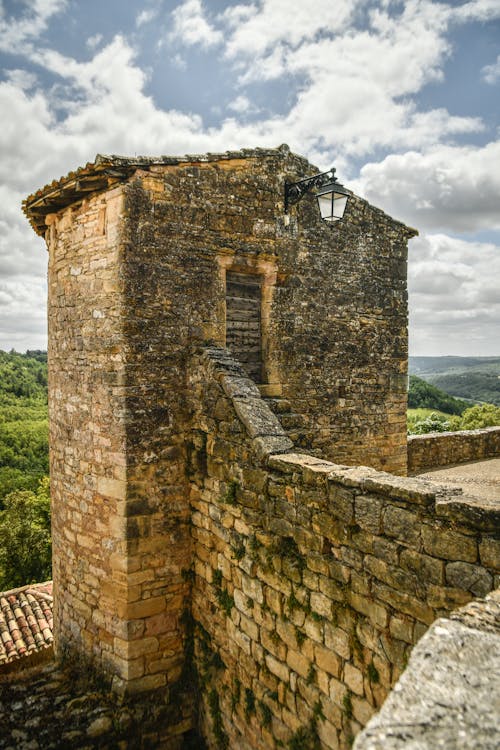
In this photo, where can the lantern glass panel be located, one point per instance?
(325, 205)
(339, 204)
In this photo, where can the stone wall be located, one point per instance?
(311, 581)
(445, 448)
(455, 665)
(137, 278)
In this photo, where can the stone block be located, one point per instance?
(353, 678)
(278, 668)
(489, 552)
(402, 525)
(368, 513)
(253, 588)
(472, 578)
(297, 662)
(337, 640)
(327, 660)
(321, 604)
(449, 545)
(425, 567)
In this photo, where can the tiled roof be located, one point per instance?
(25, 621)
(107, 170)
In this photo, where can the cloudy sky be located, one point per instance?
(402, 96)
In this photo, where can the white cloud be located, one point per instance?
(146, 16)
(357, 88)
(454, 296)
(257, 28)
(94, 41)
(16, 32)
(448, 187)
(191, 27)
(21, 79)
(241, 105)
(351, 92)
(479, 10)
(491, 73)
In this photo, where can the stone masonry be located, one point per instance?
(446, 448)
(263, 594)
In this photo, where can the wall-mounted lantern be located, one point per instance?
(332, 196)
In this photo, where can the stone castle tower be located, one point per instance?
(151, 259)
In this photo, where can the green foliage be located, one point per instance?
(25, 542)
(307, 738)
(286, 548)
(249, 703)
(218, 726)
(311, 675)
(229, 497)
(238, 547)
(300, 636)
(24, 452)
(225, 600)
(236, 695)
(347, 705)
(373, 673)
(267, 714)
(473, 418)
(474, 385)
(433, 423)
(23, 376)
(424, 395)
(482, 415)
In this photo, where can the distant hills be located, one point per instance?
(473, 378)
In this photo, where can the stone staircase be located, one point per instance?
(293, 423)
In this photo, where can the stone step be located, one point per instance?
(278, 405)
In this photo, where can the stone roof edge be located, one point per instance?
(109, 169)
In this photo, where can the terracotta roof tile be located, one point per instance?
(25, 621)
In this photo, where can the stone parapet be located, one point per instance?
(446, 448)
(454, 667)
(311, 581)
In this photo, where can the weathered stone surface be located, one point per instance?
(446, 448)
(191, 534)
(448, 695)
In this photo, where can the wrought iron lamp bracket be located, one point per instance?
(295, 191)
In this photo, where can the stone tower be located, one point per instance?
(149, 259)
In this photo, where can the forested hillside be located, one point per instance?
(427, 396)
(474, 378)
(25, 545)
(23, 421)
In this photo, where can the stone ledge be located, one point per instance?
(448, 695)
(446, 503)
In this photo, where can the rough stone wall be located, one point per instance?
(311, 581)
(120, 511)
(86, 417)
(455, 665)
(445, 448)
(136, 285)
(334, 308)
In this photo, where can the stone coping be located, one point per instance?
(275, 450)
(448, 695)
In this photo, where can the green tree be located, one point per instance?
(482, 415)
(25, 541)
(424, 395)
(433, 423)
